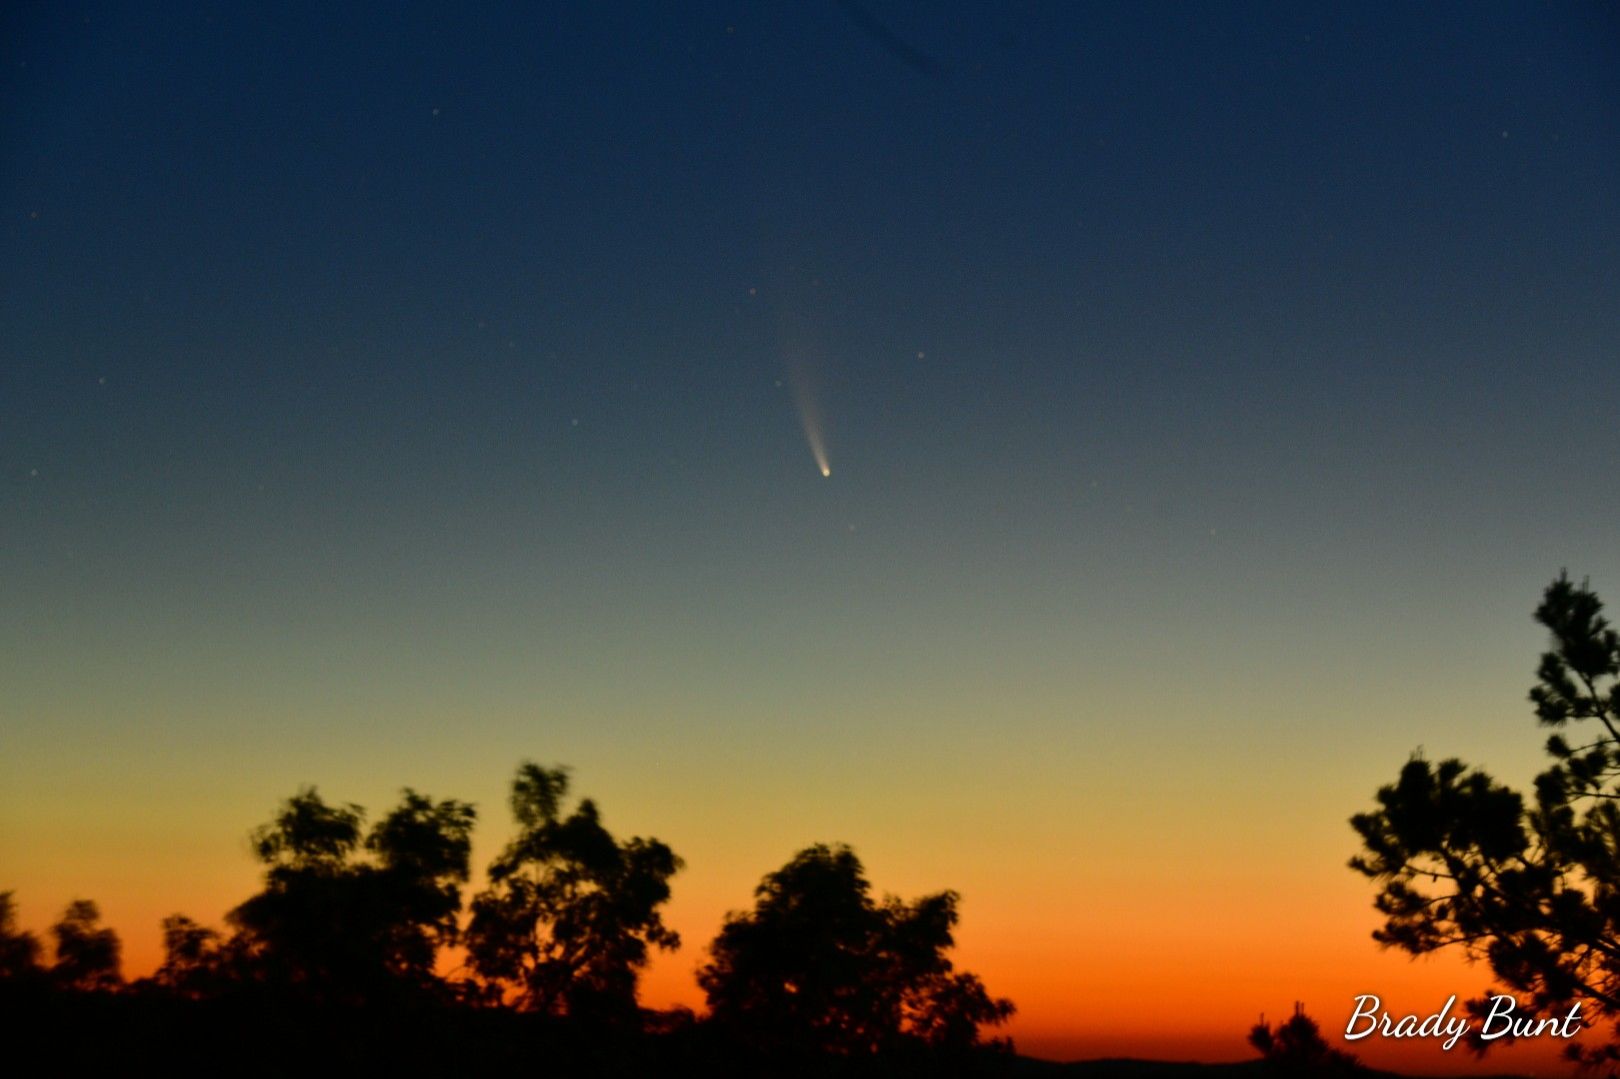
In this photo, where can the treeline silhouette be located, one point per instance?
(360, 953)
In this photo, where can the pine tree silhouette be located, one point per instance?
(1298, 1048)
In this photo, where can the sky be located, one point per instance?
(394, 393)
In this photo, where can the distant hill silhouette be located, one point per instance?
(1131, 1068)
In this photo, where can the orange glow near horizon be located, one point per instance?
(1149, 985)
(1126, 910)
(1095, 1006)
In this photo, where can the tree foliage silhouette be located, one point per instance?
(352, 923)
(19, 949)
(570, 914)
(343, 920)
(819, 967)
(196, 961)
(87, 953)
(1534, 891)
(1296, 1047)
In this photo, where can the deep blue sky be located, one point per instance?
(384, 257)
(376, 380)
(351, 276)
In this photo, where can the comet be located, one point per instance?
(804, 399)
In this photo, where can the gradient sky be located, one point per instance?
(393, 393)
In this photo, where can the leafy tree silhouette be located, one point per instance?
(87, 955)
(339, 926)
(1296, 1047)
(565, 925)
(819, 967)
(1534, 892)
(195, 959)
(19, 950)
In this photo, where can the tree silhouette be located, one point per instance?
(570, 913)
(1532, 891)
(1296, 1047)
(346, 924)
(87, 955)
(194, 959)
(819, 967)
(422, 850)
(19, 950)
